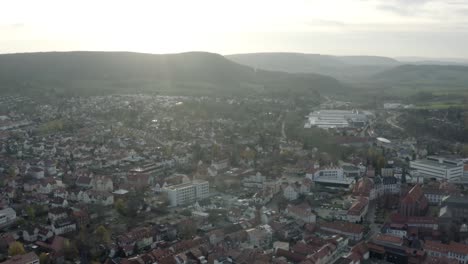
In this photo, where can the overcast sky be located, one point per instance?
(437, 28)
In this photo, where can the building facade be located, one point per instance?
(439, 168)
(187, 193)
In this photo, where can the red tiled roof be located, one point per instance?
(416, 193)
(343, 227)
(376, 248)
(358, 206)
(454, 247)
(291, 256)
(388, 239)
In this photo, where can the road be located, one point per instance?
(391, 120)
(283, 133)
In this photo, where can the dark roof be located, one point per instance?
(390, 180)
(343, 260)
(456, 200)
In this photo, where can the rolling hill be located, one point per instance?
(443, 76)
(184, 73)
(341, 67)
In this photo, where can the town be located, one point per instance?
(181, 179)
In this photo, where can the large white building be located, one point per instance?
(187, 193)
(439, 168)
(335, 118)
(333, 176)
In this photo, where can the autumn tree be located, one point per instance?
(16, 248)
(43, 258)
(103, 235)
(120, 206)
(70, 250)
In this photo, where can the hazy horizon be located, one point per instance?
(392, 28)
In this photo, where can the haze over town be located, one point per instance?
(234, 132)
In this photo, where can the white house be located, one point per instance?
(254, 181)
(63, 226)
(290, 192)
(102, 183)
(301, 212)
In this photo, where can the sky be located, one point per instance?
(396, 28)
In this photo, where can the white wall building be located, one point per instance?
(254, 181)
(290, 192)
(335, 118)
(7, 216)
(331, 175)
(187, 193)
(439, 168)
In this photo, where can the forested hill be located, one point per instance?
(184, 73)
(342, 67)
(426, 75)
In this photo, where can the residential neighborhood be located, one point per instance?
(148, 179)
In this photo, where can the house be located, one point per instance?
(453, 208)
(139, 181)
(58, 202)
(83, 181)
(254, 181)
(391, 185)
(63, 226)
(291, 192)
(306, 186)
(301, 212)
(352, 231)
(140, 237)
(414, 203)
(261, 236)
(359, 253)
(60, 192)
(220, 165)
(56, 213)
(30, 234)
(358, 210)
(100, 197)
(455, 251)
(31, 185)
(44, 234)
(365, 187)
(436, 192)
(36, 172)
(7, 216)
(28, 258)
(45, 186)
(102, 183)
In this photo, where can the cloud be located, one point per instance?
(402, 7)
(12, 26)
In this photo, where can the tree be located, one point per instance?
(70, 250)
(12, 172)
(31, 213)
(120, 207)
(43, 258)
(187, 231)
(16, 248)
(103, 235)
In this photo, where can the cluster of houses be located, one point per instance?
(310, 212)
